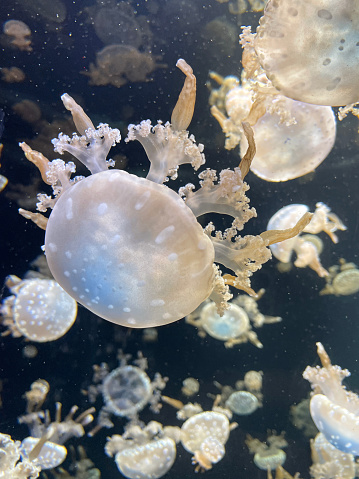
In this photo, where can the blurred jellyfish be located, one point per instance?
(205, 435)
(39, 309)
(343, 279)
(12, 75)
(253, 381)
(19, 34)
(30, 351)
(234, 326)
(190, 386)
(328, 29)
(334, 410)
(150, 335)
(142, 452)
(268, 456)
(306, 247)
(126, 390)
(242, 403)
(12, 464)
(47, 454)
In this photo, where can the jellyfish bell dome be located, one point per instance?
(242, 403)
(284, 218)
(309, 49)
(126, 390)
(204, 425)
(42, 310)
(50, 455)
(232, 324)
(147, 461)
(285, 152)
(129, 250)
(339, 425)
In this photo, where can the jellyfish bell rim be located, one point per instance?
(339, 426)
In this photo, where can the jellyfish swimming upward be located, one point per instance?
(130, 249)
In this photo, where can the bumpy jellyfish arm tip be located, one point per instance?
(37, 218)
(247, 159)
(38, 159)
(81, 120)
(183, 111)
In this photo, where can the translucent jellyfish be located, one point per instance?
(142, 452)
(118, 64)
(343, 279)
(12, 465)
(47, 454)
(190, 386)
(253, 380)
(286, 151)
(103, 228)
(242, 403)
(292, 138)
(306, 247)
(126, 390)
(205, 435)
(268, 456)
(39, 309)
(309, 49)
(334, 410)
(12, 75)
(329, 462)
(234, 326)
(19, 34)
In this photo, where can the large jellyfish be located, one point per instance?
(309, 49)
(130, 249)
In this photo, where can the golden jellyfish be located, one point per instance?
(333, 408)
(142, 452)
(118, 64)
(342, 280)
(269, 454)
(309, 49)
(12, 75)
(38, 309)
(306, 247)
(19, 34)
(190, 386)
(103, 228)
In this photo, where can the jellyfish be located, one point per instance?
(329, 462)
(48, 456)
(309, 49)
(205, 435)
(126, 390)
(19, 33)
(292, 137)
(12, 75)
(145, 452)
(103, 228)
(334, 410)
(268, 456)
(12, 464)
(190, 386)
(242, 403)
(308, 247)
(234, 326)
(343, 279)
(39, 309)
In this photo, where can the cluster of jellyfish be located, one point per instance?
(102, 228)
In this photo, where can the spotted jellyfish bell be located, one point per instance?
(45, 454)
(242, 403)
(309, 49)
(146, 453)
(39, 309)
(307, 253)
(205, 435)
(334, 410)
(268, 456)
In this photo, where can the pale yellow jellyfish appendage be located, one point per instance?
(81, 120)
(38, 159)
(277, 236)
(247, 159)
(37, 218)
(183, 111)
